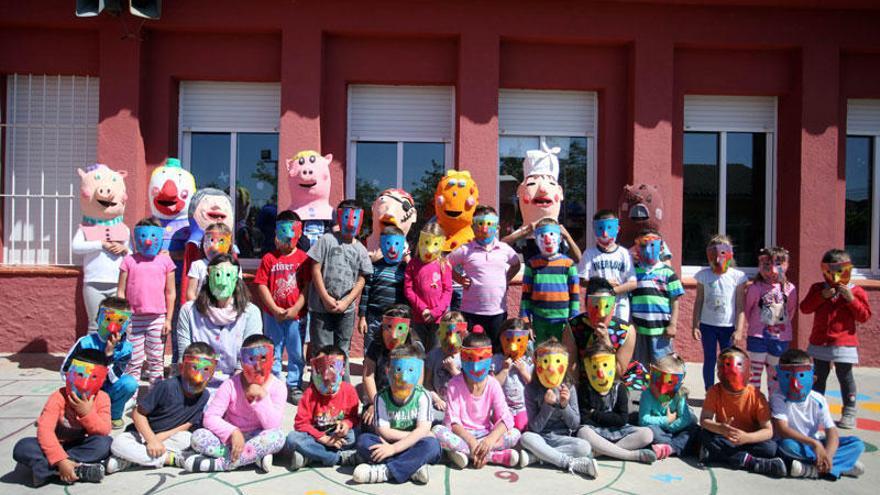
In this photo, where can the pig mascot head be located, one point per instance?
(102, 201)
(454, 202)
(540, 194)
(393, 207)
(309, 176)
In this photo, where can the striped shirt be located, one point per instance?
(550, 288)
(652, 300)
(383, 288)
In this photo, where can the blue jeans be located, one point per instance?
(374, 328)
(766, 344)
(680, 441)
(713, 339)
(285, 335)
(93, 448)
(650, 348)
(720, 449)
(306, 445)
(402, 466)
(120, 391)
(845, 458)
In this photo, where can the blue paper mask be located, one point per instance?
(606, 230)
(404, 375)
(393, 246)
(148, 239)
(485, 228)
(349, 220)
(795, 381)
(547, 238)
(476, 362)
(650, 249)
(288, 232)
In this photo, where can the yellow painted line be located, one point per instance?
(835, 408)
(871, 406)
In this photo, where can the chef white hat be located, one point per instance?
(542, 162)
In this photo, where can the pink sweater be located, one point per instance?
(770, 292)
(428, 287)
(481, 413)
(229, 409)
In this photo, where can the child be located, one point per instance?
(838, 306)
(605, 409)
(610, 261)
(341, 265)
(217, 240)
(655, 300)
(798, 414)
(146, 279)
(324, 428)
(395, 332)
(718, 309)
(736, 420)
(164, 417)
(553, 415)
(73, 431)
(282, 283)
(444, 361)
(550, 290)
(242, 423)
(385, 286)
(599, 325)
(114, 319)
(484, 267)
(665, 410)
(514, 367)
(478, 426)
(770, 304)
(402, 445)
(428, 283)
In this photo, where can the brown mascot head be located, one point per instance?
(640, 207)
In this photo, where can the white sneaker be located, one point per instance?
(370, 473)
(525, 458)
(115, 464)
(265, 464)
(586, 466)
(857, 470)
(298, 461)
(801, 470)
(460, 459)
(420, 476)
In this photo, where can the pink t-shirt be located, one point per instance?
(487, 269)
(145, 286)
(229, 409)
(768, 307)
(476, 414)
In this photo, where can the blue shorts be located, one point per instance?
(774, 347)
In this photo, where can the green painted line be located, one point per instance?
(621, 491)
(619, 475)
(191, 480)
(870, 447)
(713, 489)
(230, 485)
(447, 488)
(343, 485)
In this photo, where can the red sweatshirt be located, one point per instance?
(835, 320)
(317, 413)
(58, 423)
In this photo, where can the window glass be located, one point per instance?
(423, 166)
(376, 171)
(746, 188)
(256, 188)
(573, 178)
(700, 211)
(210, 159)
(511, 153)
(859, 170)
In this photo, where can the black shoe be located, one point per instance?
(775, 467)
(294, 394)
(93, 473)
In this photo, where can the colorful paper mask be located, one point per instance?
(733, 371)
(393, 247)
(222, 280)
(606, 230)
(600, 308)
(772, 268)
(601, 370)
(197, 371)
(547, 237)
(795, 381)
(450, 335)
(405, 374)
(112, 322)
(394, 331)
(148, 240)
(171, 189)
(540, 195)
(288, 232)
(485, 228)
(476, 362)
(256, 363)
(837, 273)
(84, 379)
(551, 367)
(515, 342)
(454, 202)
(430, 246)
(350, 220)
(215, 243)
(309, 176)
(393, 207)
(650, 249)
(720, 256)
(327, 373)
(665, 385)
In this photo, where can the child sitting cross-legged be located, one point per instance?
(444, 361)
(514, 368)
(665, 410)
(395, 331)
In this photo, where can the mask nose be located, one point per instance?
(600, 374)
(114, 327)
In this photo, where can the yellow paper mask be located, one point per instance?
(601, 369)
(551, 367)
(430, 246)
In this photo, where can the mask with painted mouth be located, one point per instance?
(551, 367)
(547, 237)
(772, 268)
(405, 374)
(222, 280)
(148, 240)
(515, 342)
(664, 385)
(84, 379)
(215, 243)
(733, 372)
(112, 322)
(197, 371)
(601, 370)
(350, 220)
(256, 363)
(393, 247)
(485, 228)
(394, 331)
(606, 230)
(327, 373)
(476, 362)
(837, 273)
(720, 256)
(288, 232)
(795, 381)
(450, 334)
(600, 308)
(430, 246)
(650, 248)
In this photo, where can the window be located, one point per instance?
(862, 234)
(399, 137)
(230, 142)
(566, 119)
(49, 127)
(728, 175)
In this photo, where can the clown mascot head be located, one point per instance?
(171, 189)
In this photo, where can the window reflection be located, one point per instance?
(700, 210)
(859, 170)
(746, 189)
(256, 198)
(511, 153)
(423, 166)
(210, 159)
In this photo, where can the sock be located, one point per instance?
(169, 458)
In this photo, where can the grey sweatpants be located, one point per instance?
(131, 447)
(93, 294)
(332, 328)
(554, 448)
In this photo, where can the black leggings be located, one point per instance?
(844, 377)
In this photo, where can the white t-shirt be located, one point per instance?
(804, 417)
(719, 296)
(616, 266)
(199, 271)
(99, 266)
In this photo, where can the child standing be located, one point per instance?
(718, 309)
(282, 283)
(242, 423)
(444, 361)
(395, 333)
(484, 267)
(798, 414)
(402, 445)
(553, 415)
(217, 240)
(385, 286)
(341, 265)
(478, 426)
(550, 290)
(73, 431)
(770, 304)
(665, 409)
(838, 306)
(428, 283)
(736, 420)
(513, 368)
(146, 279)
(164, 417)
(610, 261)
(655, 300)
(324, 428)
(605, 410)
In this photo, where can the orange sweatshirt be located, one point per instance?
(58, 423)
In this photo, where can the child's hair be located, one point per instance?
(256, 339)
(287, 216)
(475, 339)
(670, 363)
(605, 213)
(598, 285)
(93, 356)
(148, 222)
(512, 324)
(795, 356)
(391, 230)
(484, 210)
(114, 302)
(397, 311)
(218, 227)
(348, 203)
(552, 345)
(240, 296)
(406, 351)
(202, 348)
(774, 252)
(835, 256)
(596, 349)
(648, 231)
(733, 350)
(331, 350)
(433, 228)
(719, 239)
(452, 317)
(546, 221)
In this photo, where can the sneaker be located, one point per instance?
(201, 464)
(370, 473)
(801, 470)
(848, 419)
(294, 394)
(459, 459)
(743, 460)
(118, 424)
(265, 463)
(504, 457)
(90, 472)
(525, 458)
(647, 456)
(115, 464)
(586, 466)
(420, 476)
(298, 461)
(857, 470)
(774, 468)
(349, 458)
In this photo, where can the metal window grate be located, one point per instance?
(49, 130)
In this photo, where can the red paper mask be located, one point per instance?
(600, 308)
(84, 379)
(256, 363)
(665, 385)
(450, 335)
(733, 371)
(197, 371)
(719, 256)
(515, 342)
(394, 331)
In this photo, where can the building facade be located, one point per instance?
(758, 118)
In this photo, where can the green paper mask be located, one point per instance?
(222, 280)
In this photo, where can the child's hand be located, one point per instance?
(829, 292)
(381, 451)
(465, 281)
(508, 362)
(341, 430)
(449, 365)
(367, 414)
(329, 304)
(670, 330)
(362, 325)
(601, 332)
(291, 313)
(439, 403)
(155, 448)
(671, 415)
(481, 452)
(427, 316)
(110, 346)
(698, 335)
(67, 470)
(82, 407)
(255, 392)
(823, 460)
(550, 397)
(236, 442)
(564, 395)
(522, 366)
(845, 293)
(166, 329)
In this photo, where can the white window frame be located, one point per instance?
(872, 131)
